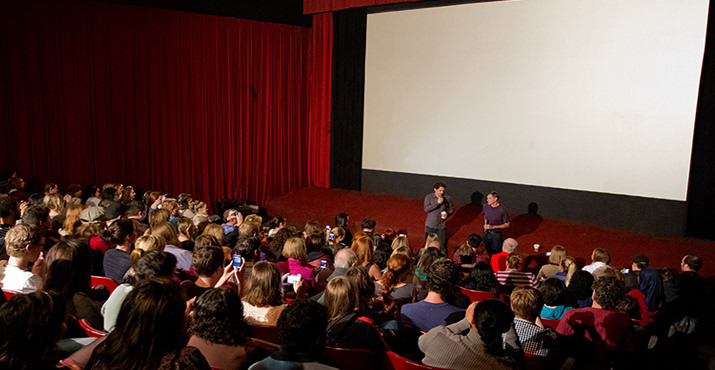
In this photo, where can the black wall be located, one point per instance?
(347, 98)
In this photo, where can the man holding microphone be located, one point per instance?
(495, 221)
(438, 207)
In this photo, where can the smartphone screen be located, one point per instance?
(292, 279)
(237, 261)
(324, 264)
(331, 237)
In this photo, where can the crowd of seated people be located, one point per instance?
(193, 290)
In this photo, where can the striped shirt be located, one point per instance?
(517, 278)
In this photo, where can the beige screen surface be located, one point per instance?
(584, 95)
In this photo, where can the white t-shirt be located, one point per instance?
(16, 280)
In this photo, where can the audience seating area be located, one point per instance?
(373, 297)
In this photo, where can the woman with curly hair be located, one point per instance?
(482, 278)
(218, 329)
(394, 280)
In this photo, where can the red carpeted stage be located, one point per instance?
(406, 215)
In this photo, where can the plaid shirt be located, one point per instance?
(535, 340)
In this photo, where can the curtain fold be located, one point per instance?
(320, 99)
(173, 101)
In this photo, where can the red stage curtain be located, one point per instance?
(320, 99)
(320, 6)
(96, 92)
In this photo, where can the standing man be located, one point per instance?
(495, 221)
(438, 207)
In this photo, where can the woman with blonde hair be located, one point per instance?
(347, 326)
(146, 243)
(295, 251)
(158, 216)
(428, 256)
(567, 268)
(72, 221)
(183, 257)
(394, 280)
(432, 240)
(56, 204)
(201, 208)
(400, 241)
(187, 232)
(363, 248)
(407, 251)
(558, 253)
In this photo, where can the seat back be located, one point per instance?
(353, 358)
(397, 362)
(101, 280)
(552, 323)
(91, 332)
(476, 295)
(534, 362)
(265, 333)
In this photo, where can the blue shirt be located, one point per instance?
(425, 315)
(555, 313)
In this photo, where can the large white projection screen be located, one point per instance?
(595, 95)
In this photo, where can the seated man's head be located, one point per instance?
(345, 258)
(554, 292)
(639, 262)
(491, 319)
(691, 263)
(24, 241)
(526, 302)
(155, 264)
(38, 216)
(474, 240)
(608, 291)
(600, 255)
(509, 245)
(302, 327)
(247, 247)
(208, 260)
(8, 209)
(441, 276)
(368, 225)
